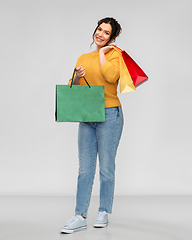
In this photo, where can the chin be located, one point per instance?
(100, 45)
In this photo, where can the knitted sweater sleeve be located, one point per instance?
(111, 70)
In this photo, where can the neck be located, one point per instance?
(97, 49)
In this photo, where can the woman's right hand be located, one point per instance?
(80, 72)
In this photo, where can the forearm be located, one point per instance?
(102, 57)
(110, 67)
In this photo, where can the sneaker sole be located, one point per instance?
(100, 225)
(73, 230)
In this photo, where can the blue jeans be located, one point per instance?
(102, 138)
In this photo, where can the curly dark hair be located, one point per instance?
(116, 28)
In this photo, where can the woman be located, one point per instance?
(100, 67)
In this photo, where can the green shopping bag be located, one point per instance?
(80, 103)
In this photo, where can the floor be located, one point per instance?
(134, 218)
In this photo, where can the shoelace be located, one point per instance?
(100, 216)
(72, 221)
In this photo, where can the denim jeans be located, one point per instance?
(100, 138)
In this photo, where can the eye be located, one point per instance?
(107, 33)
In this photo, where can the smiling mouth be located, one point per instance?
(100, 40)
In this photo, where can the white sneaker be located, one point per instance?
(75, 224)
(101, 221)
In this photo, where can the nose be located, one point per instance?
(100, 35)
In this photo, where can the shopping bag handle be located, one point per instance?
(73, 78)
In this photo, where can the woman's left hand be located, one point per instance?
(106, 49)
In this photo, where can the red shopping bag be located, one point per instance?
(137, 74)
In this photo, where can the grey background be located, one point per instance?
(39, 45)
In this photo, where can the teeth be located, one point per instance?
(99, 39)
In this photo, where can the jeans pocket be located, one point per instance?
(111, 113)
(117, 109)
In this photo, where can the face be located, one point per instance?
(102, 34)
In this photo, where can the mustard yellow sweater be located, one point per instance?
(108, 74)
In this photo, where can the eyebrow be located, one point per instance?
(104, 29)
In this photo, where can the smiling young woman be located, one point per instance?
(100, 67)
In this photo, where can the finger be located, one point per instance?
(79, 67)
(81, 70)
(82, 74)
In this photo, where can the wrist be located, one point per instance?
(101, 52)
(76, 80)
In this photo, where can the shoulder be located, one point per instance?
(113, 54)
(85, 55)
